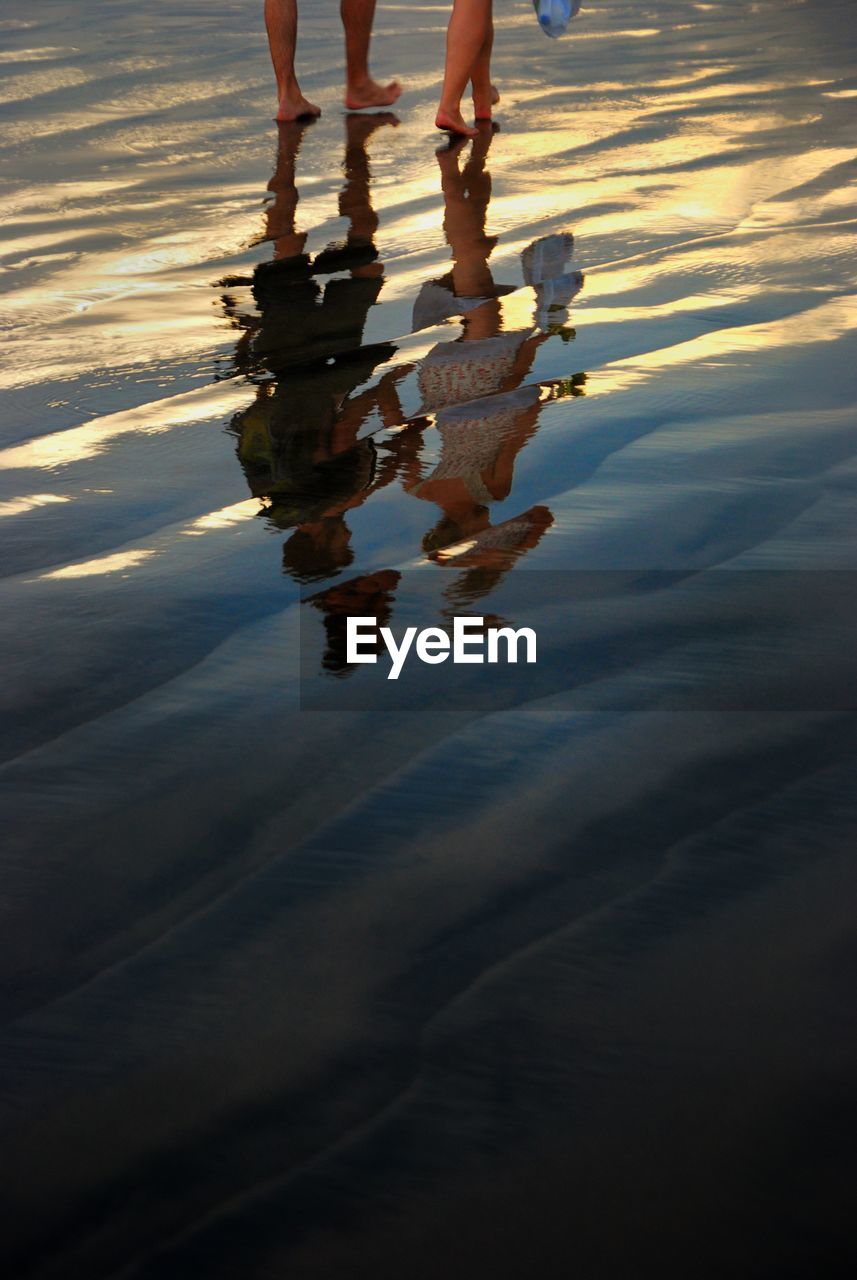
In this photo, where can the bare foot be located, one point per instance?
(371, 94)
(296, 107)
(482, 110)
(453, 122)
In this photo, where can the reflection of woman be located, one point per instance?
(466, 195)
(473, 385)
(476, 365)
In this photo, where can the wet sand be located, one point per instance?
(300, 977)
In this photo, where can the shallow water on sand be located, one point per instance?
(307, 974)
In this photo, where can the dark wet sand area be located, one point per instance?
(306, 974)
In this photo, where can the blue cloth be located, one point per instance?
(555, 15)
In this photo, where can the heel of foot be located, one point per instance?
(454, 124)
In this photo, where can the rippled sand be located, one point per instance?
(300, 980)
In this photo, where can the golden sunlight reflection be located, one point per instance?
(16, 506)
(827, 322)
(162, 543)
(47, 54)
(65, 447)
(455, 549)
(724, 199)
(127, 297)
(223, 518)
(21, 87)
(117, 562)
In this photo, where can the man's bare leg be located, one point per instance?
(360, 89)
(281, 21)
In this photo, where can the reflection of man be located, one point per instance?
(281, 21)
(301, 321)
(299, 442)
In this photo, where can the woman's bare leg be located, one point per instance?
(466, 38)
(281, 21)
(484, 94)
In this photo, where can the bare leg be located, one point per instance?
(360, 89)
(485, 96)
(466, 40)
(281, 21)
(494, 98)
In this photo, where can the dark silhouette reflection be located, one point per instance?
(300, 443)
(370, 595)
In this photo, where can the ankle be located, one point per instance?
(288, 88)
(354, 83)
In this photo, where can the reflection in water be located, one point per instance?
(558, 977)
(370, 595)
(304, 444)
(475, 385)
(298, 442)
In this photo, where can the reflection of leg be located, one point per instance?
(492, 554)
(281, 21)
(355, 203)
(280, 228)
(466, 39)
(318, 549)
(360, 89)
(383, 398)
(477, 180)
(466, 195)
(450, 170)
(369, 596)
